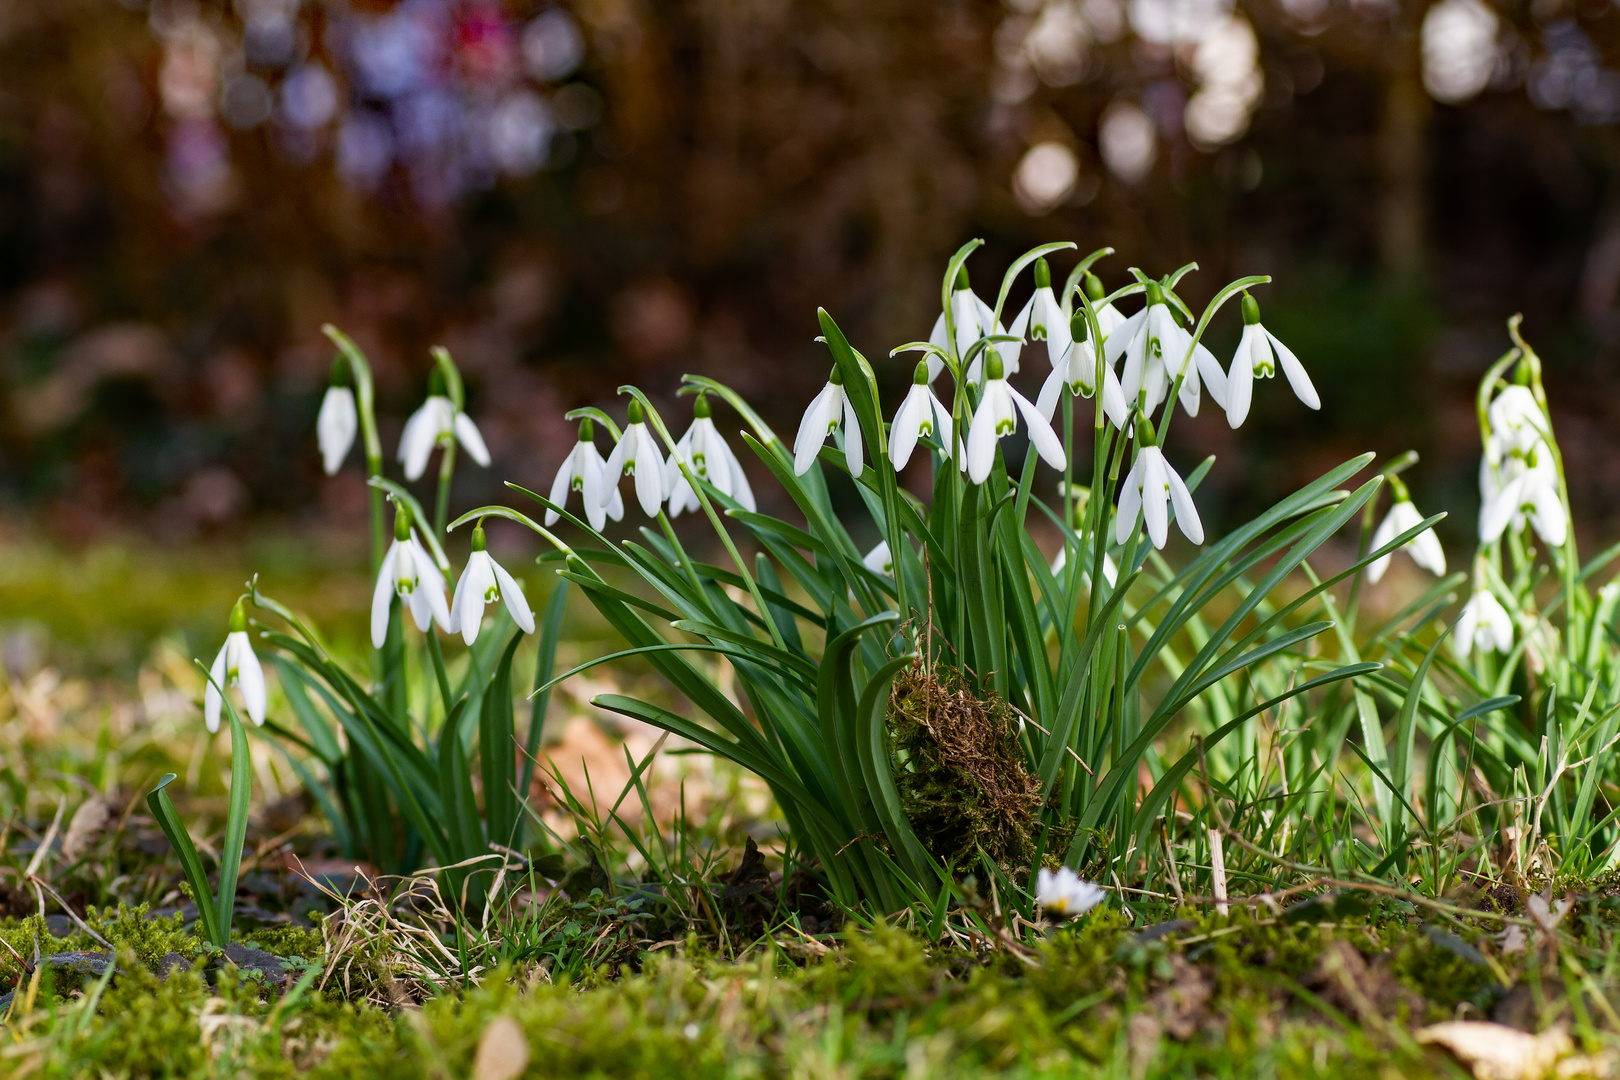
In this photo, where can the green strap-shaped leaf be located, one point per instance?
(168, 820)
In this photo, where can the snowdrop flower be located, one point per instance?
(236, 665)
(338, 421)
(1065, 893)
(1155, 348)
(1256, 351)
(879, 561)
(483, 582)
(584, 471)
(918, 415)
(1484, 623)
(973, 320)
(436, 422)
(705, 452)
(1077, 368)
(1516, 423)
(1108, 317)
(821, 419)
(1110, 570)
(997, 416)
(1150, 487)
(410, 572)
(637, 454)
(1523, 487)
(1424, 548)
(1042, 318)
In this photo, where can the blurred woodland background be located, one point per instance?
(574, 195)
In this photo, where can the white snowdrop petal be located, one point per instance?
(382, 596)
(852, 439)
(1186, 510)
(468, 435)
(211, 695)
(336, 426)
(250, 677)
(561, 483)
(1295, 373)
(517, 605)
(1045, 440)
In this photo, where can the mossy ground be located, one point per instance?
(1253, 995)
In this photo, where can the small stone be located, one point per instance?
(171, 962)
(93, 964)
(266, 964)
(59, 925)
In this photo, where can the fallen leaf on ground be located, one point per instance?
(1498, 1052)
(503, 1052)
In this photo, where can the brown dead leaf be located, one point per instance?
(503, 1052)
(1497, 1052)
(1180, 1005)
(85, 829)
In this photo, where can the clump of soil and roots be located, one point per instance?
(960, 770)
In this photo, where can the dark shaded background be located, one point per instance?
(181, 209)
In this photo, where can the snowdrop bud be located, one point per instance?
(919, 374)
(962, 278)
(1094, 288)
(1251, 311)
(1043, 274)
(402, 523)
(478, 540)
(238, 623)
(635, 414)
(700, 407)
(1079, 329)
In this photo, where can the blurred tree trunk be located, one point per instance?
(1403, 165)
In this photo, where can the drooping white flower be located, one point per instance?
(1042, 318)
(636, 453)
(705, 452)
(1077, 369)
(972, 319)
(1108, 317)
(236, 665)
(1517, 423)
(1110, 571)
(879, 561)
(1523, 487)
(826, 411)
(1065, 892)
(584, 471)
(997, 416)
(1424, 548)
(436, 422)
(1151, 488)
(1156, 348)
(337, 422)
(919, 414)
(483, 582)
(410, 572)
(1484, 624)
(1254, 359)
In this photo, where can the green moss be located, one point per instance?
(960, 771)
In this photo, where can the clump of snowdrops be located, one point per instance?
(1030, 576)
